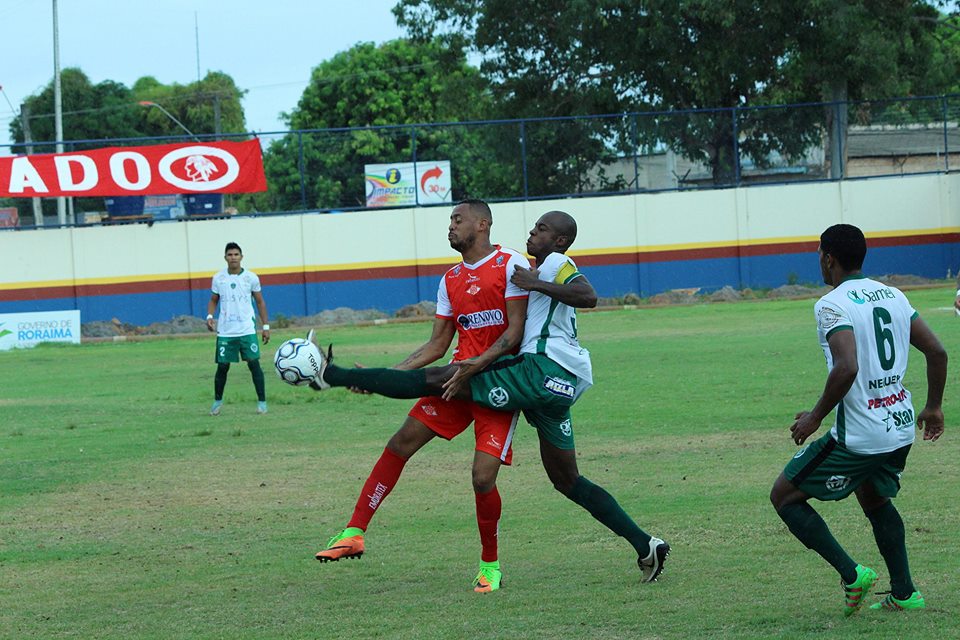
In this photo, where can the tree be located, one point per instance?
(624, 55)
(110, 110)
(395, 83)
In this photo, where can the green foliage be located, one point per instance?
(586, 57)
(395, 83)
(133, 525)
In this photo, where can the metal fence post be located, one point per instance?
(736, 148)
(413, 153)
(523, 154)
(303, 184)
(946, 141)
(636, 153)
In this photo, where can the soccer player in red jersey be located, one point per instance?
(477, 302)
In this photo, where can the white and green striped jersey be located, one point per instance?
(551, 326)
(236, 302)
(876, 415)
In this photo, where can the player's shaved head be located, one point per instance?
(563, 224)
(478, 208)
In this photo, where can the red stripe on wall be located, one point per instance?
(414, 271)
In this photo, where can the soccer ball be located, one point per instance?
(298, 361)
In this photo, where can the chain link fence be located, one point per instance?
(326, 170)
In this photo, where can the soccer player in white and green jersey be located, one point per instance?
(236, 289)
(865, 329)
(549, 374)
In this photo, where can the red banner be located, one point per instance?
(201, 167)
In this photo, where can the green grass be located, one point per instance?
(127, 512)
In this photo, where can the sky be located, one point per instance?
(269, 47)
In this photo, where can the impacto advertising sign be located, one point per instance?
(30, 329)
(408, 184)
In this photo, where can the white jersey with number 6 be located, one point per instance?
(876, 415)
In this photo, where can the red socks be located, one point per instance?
(377, 487)
(488, 521)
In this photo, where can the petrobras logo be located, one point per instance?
(559, 387)
(837, 483)
(498, 397)
(481, 319)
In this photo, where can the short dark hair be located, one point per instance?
(479, 208)
(232, 245)
(846, 244)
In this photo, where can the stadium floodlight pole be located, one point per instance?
(58, 107)
(147, 103)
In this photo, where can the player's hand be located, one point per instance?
(211, 325)
(266, 336)
(931, 421)
(460, 379)
(804, 426)
(524, 278)
(358, 390)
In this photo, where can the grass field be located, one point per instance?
(127, 512)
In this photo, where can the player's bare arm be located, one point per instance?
(930, 419)
(211, 308)
(843, 350)
(262, 310)
(577, 293)
(516, 316)
(434, 349)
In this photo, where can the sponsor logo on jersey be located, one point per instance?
(828, 317)
(498, 397)
(565, 427)
(887, 401)
(481, 319)
(837, 483)
(559, 387)
(853, 295)
(880, 383)
(472, 277)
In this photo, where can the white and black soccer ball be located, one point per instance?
(298, 361)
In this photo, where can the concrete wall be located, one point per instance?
(645, 243)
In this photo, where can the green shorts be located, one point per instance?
(535, 384)
(827, 470)
(231, 349)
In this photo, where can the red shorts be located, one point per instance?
(493, 429)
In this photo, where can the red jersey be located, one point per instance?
(475, 297)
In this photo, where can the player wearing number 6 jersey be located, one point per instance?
(866, 329)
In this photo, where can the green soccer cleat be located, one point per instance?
(261, 407)
(215, 409)
(489, 578)
(854, 593)
(889, 603)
